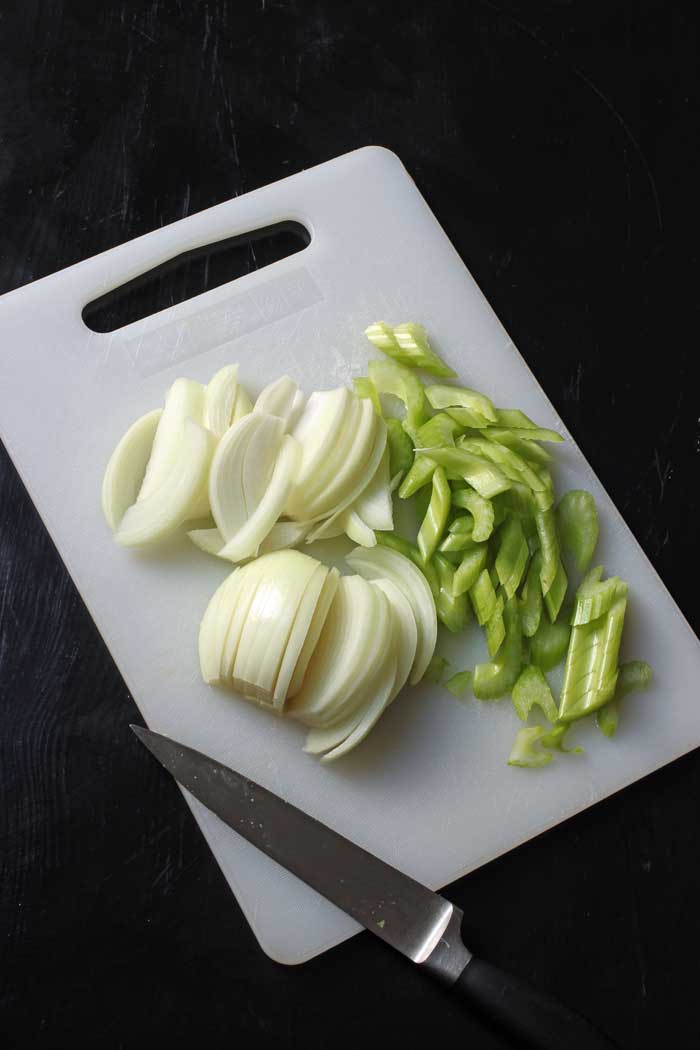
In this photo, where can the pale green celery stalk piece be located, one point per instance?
(440, 430)
(483, 597)
(365, 388)
(421, 501)
(435, 670)
(464, 524)
(531, 534)
(590, 673)
(634, 677)
(549, 546)
(544, 498)
(400, 448)
(533, 688)
(452, 612)
(420, 473)
(453, 557)
(595, 596)
(531, 601)
(549, 643)
(513, 555)
(554, 738)
(526, 752)
(577, 522)
(434, 522)
(408, 344)
(390, 378)
(481, 510)
(512, 465)
(470, 567)
(513, 440)
(494, 577)
(459, 683)
(466, 417)
(495, 629)
(518, 499)
(405, 547)
(457, 542)
(496, 679)
(556, 594)
(487, 479)
(461, 397)
(514, 419)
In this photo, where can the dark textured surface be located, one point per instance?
(556, 142)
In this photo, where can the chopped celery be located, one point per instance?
(459, 683)
(549, 643)
(518, 499)
(397, 543)
(481, 510)
(408, 344)
(483, 597)
(495, 629)
(440, 430)
(461, 397)
(577, 521)
(533, 688)
(513, 555)
(464, 525)
(554, 738)
(390, 378)
(453, 557)
(365, 388)
(513, 440)
(590, 673)
(531, 602)
(526, 751)
(483, 476)
(549, 546)
(467, 418)
(472, 564)
(419, 474)
(554, 597)
(494, 680)
(634, 677)
(607, 717)
(421, 501)
(452, 612)
(595, 596)
(493, 573)
(510, 463)
(514, 419)
(459, 535)
(400, 448)
(435, 670)
(435, 519)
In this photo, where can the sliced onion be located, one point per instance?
(335, 460)
(356, 529)
(374, 504)
(126, 468)
(282, 398)
(320, 614)
(214, 627)
(381, 562)
(349, 466)
(220, 399)
(184, 400)
(208, 540)
(248, 585)
(299, 634)
(226, 476)
(381, 690)
(284, 534)
(171, 503)
(260, 458)
(317, 432)
(407, 636)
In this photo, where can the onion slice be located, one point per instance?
(301, 642)
(184, 400)
(282, 398)
(320, 614)
(407, 640)
(284, 534)
(224, 401)
(126, 468)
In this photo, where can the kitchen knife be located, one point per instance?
(420, 924)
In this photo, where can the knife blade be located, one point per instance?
(422, 925)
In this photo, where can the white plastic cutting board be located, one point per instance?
(429, 791)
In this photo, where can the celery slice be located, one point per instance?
(510, 463)
(518, 499)
(526, 752)
(390, 378)
(483, 597)
(549, 643)
(533, 688)
(435, 670)
(453, 557)
(494, 680)
(468, 418)
(435, 519)
(365, 388)
(531, 602)
(408, 344)
(400, 448)
(487, 479)
(452, 611)
(549, 546)
(577, 521)
(513, 555)
(590, 673)
(495, 629)
(514, 419)
(634, 677)
(398, 543)
(457, 543)
(470, 567)
(459, 683)
(419, 475)
(595, 596)
(461, 397)
(481, 510)
(513, 440)
(440, 430)
(554, 597)
(554, 738)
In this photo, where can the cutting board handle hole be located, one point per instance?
(192, 273)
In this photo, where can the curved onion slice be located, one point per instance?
(284, 534)
(356, 529)
(226, 477)
(374, 504)
(317, 432)
(220, 399)
(184, 400)
(299, 635)
(381, 562)
(208, 540)
(214, 626)
(350, 464)
(407, 642)
(282, 398)
(171, 503)
(260, 458)
(335, 460)
(126, 468)
(229, 642)
(321, 610)
(382, 688)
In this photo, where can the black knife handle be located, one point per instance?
(531, 1017)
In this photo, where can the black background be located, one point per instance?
(556, 144)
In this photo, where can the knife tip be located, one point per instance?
(138, 731)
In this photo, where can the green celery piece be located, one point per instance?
(590, 673)
(577, 522)
(452, 612)
(510, 463)
(365, 388)
(400, 448)
(513, 555)
(481, 510)
(421, 501)
(390, 378)
(459, 683)
(472, 564)
(487, 479)
(531, 602)
(419, 474)
(549, 643)
(513, 440)
(554, 738)
(461, 397)
(518, 499)
(408, 344)
(398, 543)
(595, 596)
(434, 522)
(556, 594)
(526, 752)
(483, 597)
(496, 679)
(468, 418)
(533, 688)
(634, 677)
(493, 573)
(495, 629)
(549, 546)
(457, 543)
(440, 430)
(531, 534)
(463, 524)
(453, 557)
(435, 670)
(514, 419)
